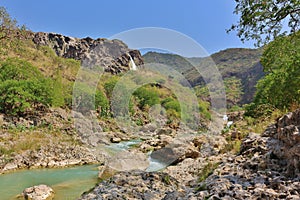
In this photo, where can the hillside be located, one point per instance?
(242, 64)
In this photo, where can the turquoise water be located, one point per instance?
(68, 183)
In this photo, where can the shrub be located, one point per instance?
(147, 97)
(17, 97)
(109, 86)
(57, 91)
(86, 99)
(22, 87)
(171, 104)
(102, 104)
(17, 69)
(204, 109)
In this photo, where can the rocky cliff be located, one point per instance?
(113, 55)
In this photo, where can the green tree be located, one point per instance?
(263, 20)
(9, 28)
(281, 61)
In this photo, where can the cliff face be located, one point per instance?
(113, 55)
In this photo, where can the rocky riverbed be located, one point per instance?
(196, 165)
(267, 167)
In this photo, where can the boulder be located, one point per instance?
(39, 192)
(126, 161)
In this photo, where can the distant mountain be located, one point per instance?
(177, 62)
(239, 63)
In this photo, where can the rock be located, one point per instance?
(137, 185)
(106, 172)
(286, 141)
(53, 155)
(165, 131)
(10, 166)
(2, 121)
(176, 151)
(115, 140)
(40, 192)
(126, 161)
(113, 55)
(267, 167)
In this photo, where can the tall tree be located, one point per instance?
(281, 61)
(9, 28)
(264, 20)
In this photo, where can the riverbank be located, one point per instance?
(47, 140)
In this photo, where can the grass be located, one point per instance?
(18, 141)
(233, 146)
(207, 171)
(245, 126)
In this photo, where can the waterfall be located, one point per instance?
(133, 65)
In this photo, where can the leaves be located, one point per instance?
(280, 86)
(263, 20)
(22, 87)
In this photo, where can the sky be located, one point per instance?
(204, 21)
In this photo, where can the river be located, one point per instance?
(68, 183)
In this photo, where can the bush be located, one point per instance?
(86, 99)
(57, 91)
(172, 107)
(258, 110)
(17, 69)
(109, 86)
(102, 104)
(147, 97)
(171, 104)
(204, 109)
(22, 87)
(19, 97)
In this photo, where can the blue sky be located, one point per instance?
(204, 21)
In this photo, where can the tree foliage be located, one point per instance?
(147, 96)
(281, 61)
(8, 26)
(263, 20)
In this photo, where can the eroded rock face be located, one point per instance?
(39, 192)
(288, 136)
(267, 167)
(113, 55)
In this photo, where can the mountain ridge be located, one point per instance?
(241, 63)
